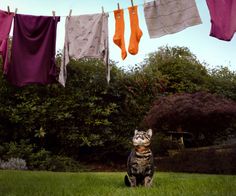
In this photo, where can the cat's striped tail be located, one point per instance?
(127, 181)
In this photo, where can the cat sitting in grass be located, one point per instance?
(140, 166)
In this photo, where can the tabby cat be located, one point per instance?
(140, 165)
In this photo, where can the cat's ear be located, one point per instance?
(149, 132)
(135, 132)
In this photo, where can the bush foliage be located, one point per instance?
(216, 159)
(90, 119)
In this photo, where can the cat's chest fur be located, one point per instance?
(140, 163)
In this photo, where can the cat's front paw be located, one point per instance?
(147, 181)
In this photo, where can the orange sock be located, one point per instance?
(118, 38)
(136, 32)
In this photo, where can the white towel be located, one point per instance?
(170, 16)
(86, 36)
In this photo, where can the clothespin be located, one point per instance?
(15, 11)
(8, 9)
(70, 13)
(103, 10)
(155, 3)
(132, 3)
(54, 14)
(118, 7)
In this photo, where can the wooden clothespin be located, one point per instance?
(70, 13)
(118, 7)
(54, 14)
(15, 11)
(132, 3)
(8, 9)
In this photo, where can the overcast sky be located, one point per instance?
(207, 49)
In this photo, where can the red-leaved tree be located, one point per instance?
(208, 117)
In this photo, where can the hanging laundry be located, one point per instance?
(86, 36)
(119, 38)
(170, 16)
(5, 27)
(223, 18)
(136, 32)
(33, 50)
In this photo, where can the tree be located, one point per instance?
(205, 115)
(179, 67)
(223, 82)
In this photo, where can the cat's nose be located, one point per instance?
(140, 137)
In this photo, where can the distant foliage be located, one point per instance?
(86, 117)
(91, 120)
(181, 69)
(223, 82)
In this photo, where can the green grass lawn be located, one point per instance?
(27, 183)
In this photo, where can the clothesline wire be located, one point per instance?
(141, 4)
(126, 8)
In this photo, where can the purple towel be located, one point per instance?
(5, 27)
(223, 18)
(33, 50)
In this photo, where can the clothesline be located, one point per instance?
(70, 12)
(109, 12)
(89, 35)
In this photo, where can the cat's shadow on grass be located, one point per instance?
(122, 185)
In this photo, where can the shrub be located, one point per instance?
(14, 163)
(36, 158)
(39, 160)
(62, 163)
(44, 160)
(216, 159)
(13, 149)
(161, 144)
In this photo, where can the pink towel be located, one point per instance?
(223, 18)
(5, 27)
